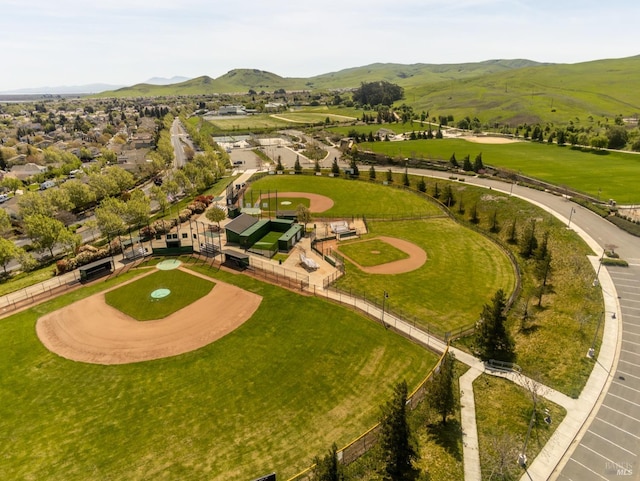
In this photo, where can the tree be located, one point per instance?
(447, 196)
(334, 167)
(512, 236)
(110, 216)
(316, 166)
(441, 393)
(160, 196)
(529, 242)
(354, 168)
(303, 215)
(328, 468)
(473, 214)
(5, 223)
(137, 208)
(494, 227)
(405, 178)
(297, 167)
(80, 194)
(11, 183)
(377, 93)
(47, 232)
(372, 173)
(8, 252)
(216, 214)
(466, 164)
(397, 445)
(617, 137)
(477, 163)
(279, 166)
(389, 176)
(422, 185)
(453, 161)
(492, 339)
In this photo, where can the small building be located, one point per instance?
(237, 226)
(96, 269)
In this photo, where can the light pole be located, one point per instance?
(570, 215)
(385, 296)
(592, 350)
(596, 281)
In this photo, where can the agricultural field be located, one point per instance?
(601, 174)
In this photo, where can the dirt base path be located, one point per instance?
(417, 257)
(93, 332)
(317, 202)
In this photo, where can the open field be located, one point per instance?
(136, 301)
(179, 418)
(248, 123)
(311, 118)
(463, 271)
(607, 175)
(503, 414)
(351, 197)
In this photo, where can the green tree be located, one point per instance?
(477, 163)
(159, 196)
(466, 164)
(316, 166)
(372, 173)
(110, 216)
(354, 167)
(441, 394)
(422, 185)
(529, 242)
(405, 178)
(8, 252)
(328, 468)
(297, 167)
(47, 232)
(389, 176)
(303, 215)
(5, 223)
(473, 214)
(11, 184)
(512, 235)
(279, 166)
(453, 161)
(447, 196)
(617, 137)
(137, 209)
(494, 227)
(492, 341)
(397, 445)
(80, 194)
(335, 169)
(216, 214)
(377, 93)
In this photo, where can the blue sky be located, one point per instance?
(74, 42)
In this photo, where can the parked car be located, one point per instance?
(3, 198)
(47, 185)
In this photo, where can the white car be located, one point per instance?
(3, 198)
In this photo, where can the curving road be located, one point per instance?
(608, 445)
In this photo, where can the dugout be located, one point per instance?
(236, 259)
(96, 269)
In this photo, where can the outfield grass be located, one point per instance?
(503, 414)
(267, 397)
(135, 299)
(351, 198)
(609, 175)
(312, 117)
(372, 252)
(463, 271)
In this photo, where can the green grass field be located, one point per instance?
(372, 252)
(268, 241)
(351, 197)
(463, 271)
(135, 299)
(267, 397)
(269, 203)
(608, 175)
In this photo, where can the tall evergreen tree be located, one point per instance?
(372, 173)
(422, 185)
(477, 163)
(297, 167)
(492, 339)
(441, 393)
(405, 178)
(529, 242)
(389, 176)
(453, 161)
(398, 447)
(328, 468)
(466, 164)
(334, 166)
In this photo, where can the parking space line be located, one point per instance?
(618, 428)
(623, 399)
(596, 452)
(626, 351)
(615, 381)
(619, 412)
(589, 469)
(612, 443)
(627, 374)
(628, 362)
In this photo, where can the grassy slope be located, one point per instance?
(350, 197)
(269, 396)
(612, 173)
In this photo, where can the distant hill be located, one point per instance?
(506, 91)
(166, 81)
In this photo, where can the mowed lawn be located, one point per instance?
(135, 299)
(463, 271)
(372, 252)
(299, 375)
(351, 198)
(611, 175)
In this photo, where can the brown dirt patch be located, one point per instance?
(417, 258)
(317, 202)
(490, 140)
(93, 332)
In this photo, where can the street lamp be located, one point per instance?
(592, 350)
(570, 215)
(596, 281)
(385, 296)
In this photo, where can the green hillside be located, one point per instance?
(495, 91)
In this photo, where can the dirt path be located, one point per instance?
(417, 258)
(317, 202)
(92, 331)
